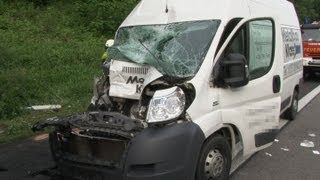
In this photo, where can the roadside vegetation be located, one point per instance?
(50, 52)
(308, 9)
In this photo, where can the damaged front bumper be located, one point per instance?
(111, 146)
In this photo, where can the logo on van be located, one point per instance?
(136, 80)
(291, 42)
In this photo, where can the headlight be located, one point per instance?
(166, 105)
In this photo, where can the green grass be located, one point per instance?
(45, 58)
(20, 127)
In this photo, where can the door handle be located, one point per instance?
(276, 84)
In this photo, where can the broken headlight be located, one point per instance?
(167, 104)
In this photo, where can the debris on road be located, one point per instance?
(316, 152)
(44, 107)
(276, 140)
(40, 137)
(268, 154)
(312, 135)
(307, 144)
(285, 149)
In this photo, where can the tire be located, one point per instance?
(292, 112)
(215, 160)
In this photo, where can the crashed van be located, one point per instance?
(190, 90)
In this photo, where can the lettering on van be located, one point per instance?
(311, 50)
(138, 81)
(292, 44)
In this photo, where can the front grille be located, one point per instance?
(95, 150)
(135, 70)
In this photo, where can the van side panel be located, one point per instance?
(293, 63)
(289, 43)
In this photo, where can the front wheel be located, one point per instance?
(215, 160)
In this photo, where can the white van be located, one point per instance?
(191, 89)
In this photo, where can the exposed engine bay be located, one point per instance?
(127, 99)
(128, 88)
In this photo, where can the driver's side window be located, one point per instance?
(261, 45)
(255, 42)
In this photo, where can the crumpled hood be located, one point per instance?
(128, 80)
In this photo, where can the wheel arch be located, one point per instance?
(295, 89)
(231, 133)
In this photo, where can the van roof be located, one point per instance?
(149, 12)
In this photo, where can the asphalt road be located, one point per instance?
(19, 159)
(309, 85)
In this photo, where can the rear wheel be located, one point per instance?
(293, 110)
(215, 160)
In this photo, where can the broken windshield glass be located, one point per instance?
(176, 49)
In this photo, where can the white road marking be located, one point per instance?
(307, 98)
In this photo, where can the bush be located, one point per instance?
(101, 16)
(44, 60)
(50, 50)
(10, 101)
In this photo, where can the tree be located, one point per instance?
(293, 1)
(307, 9)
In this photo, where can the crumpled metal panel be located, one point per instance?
(127, 80)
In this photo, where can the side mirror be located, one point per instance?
(235, 71)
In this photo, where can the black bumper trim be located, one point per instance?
(265, 137)
(170, 152)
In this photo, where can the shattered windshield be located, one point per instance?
(175, 50)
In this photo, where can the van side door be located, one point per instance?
(252, 104)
